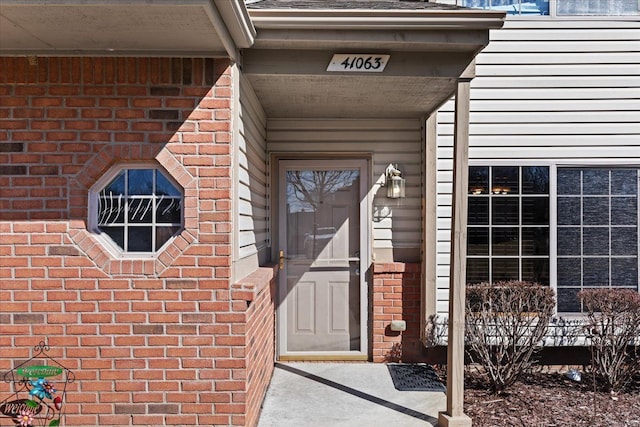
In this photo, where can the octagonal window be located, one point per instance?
(139, 209)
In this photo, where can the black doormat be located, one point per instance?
(414, 377)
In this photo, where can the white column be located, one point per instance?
(454, 415)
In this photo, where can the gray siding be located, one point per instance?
(251, 220)
(396, 225)
(549, 92)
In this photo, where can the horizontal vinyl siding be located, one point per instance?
(252, 217)
(395, 225)
(549, 92)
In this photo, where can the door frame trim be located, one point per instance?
(327, 162)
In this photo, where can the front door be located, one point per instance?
(322, 294)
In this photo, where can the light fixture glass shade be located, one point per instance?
(395, 187)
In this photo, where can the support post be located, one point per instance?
(429, 226)
(454, 415)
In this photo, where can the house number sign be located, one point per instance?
(358, 62)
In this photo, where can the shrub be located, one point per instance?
(505, 323)
(613, 326)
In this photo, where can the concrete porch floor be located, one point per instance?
(344, 394)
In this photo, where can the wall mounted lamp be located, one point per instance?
(394, 182)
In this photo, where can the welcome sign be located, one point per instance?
(14, 408)
(38, 391)
(39, 371)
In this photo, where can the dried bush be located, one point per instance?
(613, 327)
(505, 324)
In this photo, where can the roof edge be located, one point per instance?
(237, 20)
(357, 19)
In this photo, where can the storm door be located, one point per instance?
(323, 246)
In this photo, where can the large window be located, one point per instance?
(508, 224)
(597, 7)
(139, 209)
(554, 7)
(511, 7)
(597, 239)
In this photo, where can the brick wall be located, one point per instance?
(152, 342)
(258, 289)
(396, 296)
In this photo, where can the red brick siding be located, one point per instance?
(260, 288)
(396, 296)
(152, 342)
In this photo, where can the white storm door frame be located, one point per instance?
(362, 165)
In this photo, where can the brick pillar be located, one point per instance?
(396, 296)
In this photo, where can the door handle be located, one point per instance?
(282, 258)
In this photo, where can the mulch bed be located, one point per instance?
(545, 399)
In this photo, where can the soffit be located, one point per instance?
(429, 48)
(117, 27)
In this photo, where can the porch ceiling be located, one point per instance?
(124, 27)
(295, 83)
(430, 47)
(287, 96)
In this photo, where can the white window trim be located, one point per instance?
(92, 221)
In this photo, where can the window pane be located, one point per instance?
(504, 269)
(569, 210)
(116, 234)
(624, 241)
(504, 180)
(169, 211)
(606, 246)
(140, 182)
(504, 241)
(115, 187)
(478, 208)
(597, 7)
(535, 210)
(140, 211)
(595, 241)
(595, 211)
(510, 7)
(504, 210)
(535, 180)
(163, 234)
(569, 241)
(164, 187)
(478, 180)
(535, 241)
(137, 200)
(596, 272)
(477, 270)
(569, 272)
(139, 239)
(569, 181)
(535, 270)
(624, 210)
(510, 219)
(595, 181)
(624, 182)
(624, 272)
(568, 301)
(111, 210)
(478, 241)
